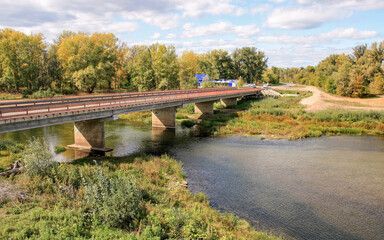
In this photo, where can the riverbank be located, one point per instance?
(135, 197)
(282, 118)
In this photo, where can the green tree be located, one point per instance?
(165, 66)
(89, 61)
(249, 63)
(189, 67)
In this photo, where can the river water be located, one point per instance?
(319, 188)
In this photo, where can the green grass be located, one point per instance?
(82, 200)
(286, 118)
(60, 149)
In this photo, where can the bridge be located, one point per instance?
(89, 113)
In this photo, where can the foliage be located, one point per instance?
(37, 159)
(59, 206)
(285, 118)
(249, 64)
(356, 75)
(188, 123)
(60, 149)
(114, 201)
(43, 94)
(88, 61)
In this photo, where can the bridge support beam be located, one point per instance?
(204, 107)
(164, 117)
(229, 102)
(90, 135)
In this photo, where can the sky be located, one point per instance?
(292, 33)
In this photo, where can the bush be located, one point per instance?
(43, 94)
(37, 159)
(114, 201)
(188, 123)
(26, 93)
(60, 149)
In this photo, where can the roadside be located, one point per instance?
(321, 100)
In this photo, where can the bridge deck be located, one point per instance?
(19, 115)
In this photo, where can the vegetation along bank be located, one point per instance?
(135, 197)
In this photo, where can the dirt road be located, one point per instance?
(321, 100)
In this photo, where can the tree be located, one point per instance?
(249, 63)
(189, 67)
(223, 64)
(21, 59)
(207, 65)
(165, 66)
(271, 77)
(88, 61)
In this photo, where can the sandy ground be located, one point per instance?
(321, 100)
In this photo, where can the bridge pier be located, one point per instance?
(164, 117)
(228, 102)
(90, 135)
(204, 107)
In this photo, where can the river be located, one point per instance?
(319, 188)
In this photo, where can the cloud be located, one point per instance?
(219, 28)
(339, 33)
(197, 8)
(261, 8)
(302, 17)
(313, 13)
(155, 36)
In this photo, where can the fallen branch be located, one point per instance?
(16, 168)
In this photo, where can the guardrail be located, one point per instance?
(25, 109)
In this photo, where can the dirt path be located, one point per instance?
(321, 100)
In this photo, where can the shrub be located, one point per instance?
(187, 123)
(60, 149)
(37, 158)
(43, 94)
(114, 201)
(26, 93)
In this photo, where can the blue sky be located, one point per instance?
(292, 33)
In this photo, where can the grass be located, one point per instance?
(347, 103)
(60, 149)
(136, 197)
(10, 96)
(286, 118)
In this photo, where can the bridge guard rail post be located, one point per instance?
(89, 135)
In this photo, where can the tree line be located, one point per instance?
(356, 75)
(87, 62)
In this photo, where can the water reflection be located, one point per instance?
(321, 188)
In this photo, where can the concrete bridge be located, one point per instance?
(89, 113)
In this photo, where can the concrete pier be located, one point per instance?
(90, 135)
(229, 102)
(164, 117)
(204, 107)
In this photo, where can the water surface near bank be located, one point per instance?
(319, 188)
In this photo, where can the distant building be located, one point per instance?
(218, 82)
(201, 78)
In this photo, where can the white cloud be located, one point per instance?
(197, 8)
(219, 28)
(339, 33)
(349, 33)
(313, 13)
(261, 8)
(171, 35)
(302, 17)
(155, 36)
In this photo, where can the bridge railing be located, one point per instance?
(27, 109)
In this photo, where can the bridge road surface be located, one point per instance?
(20, 115)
